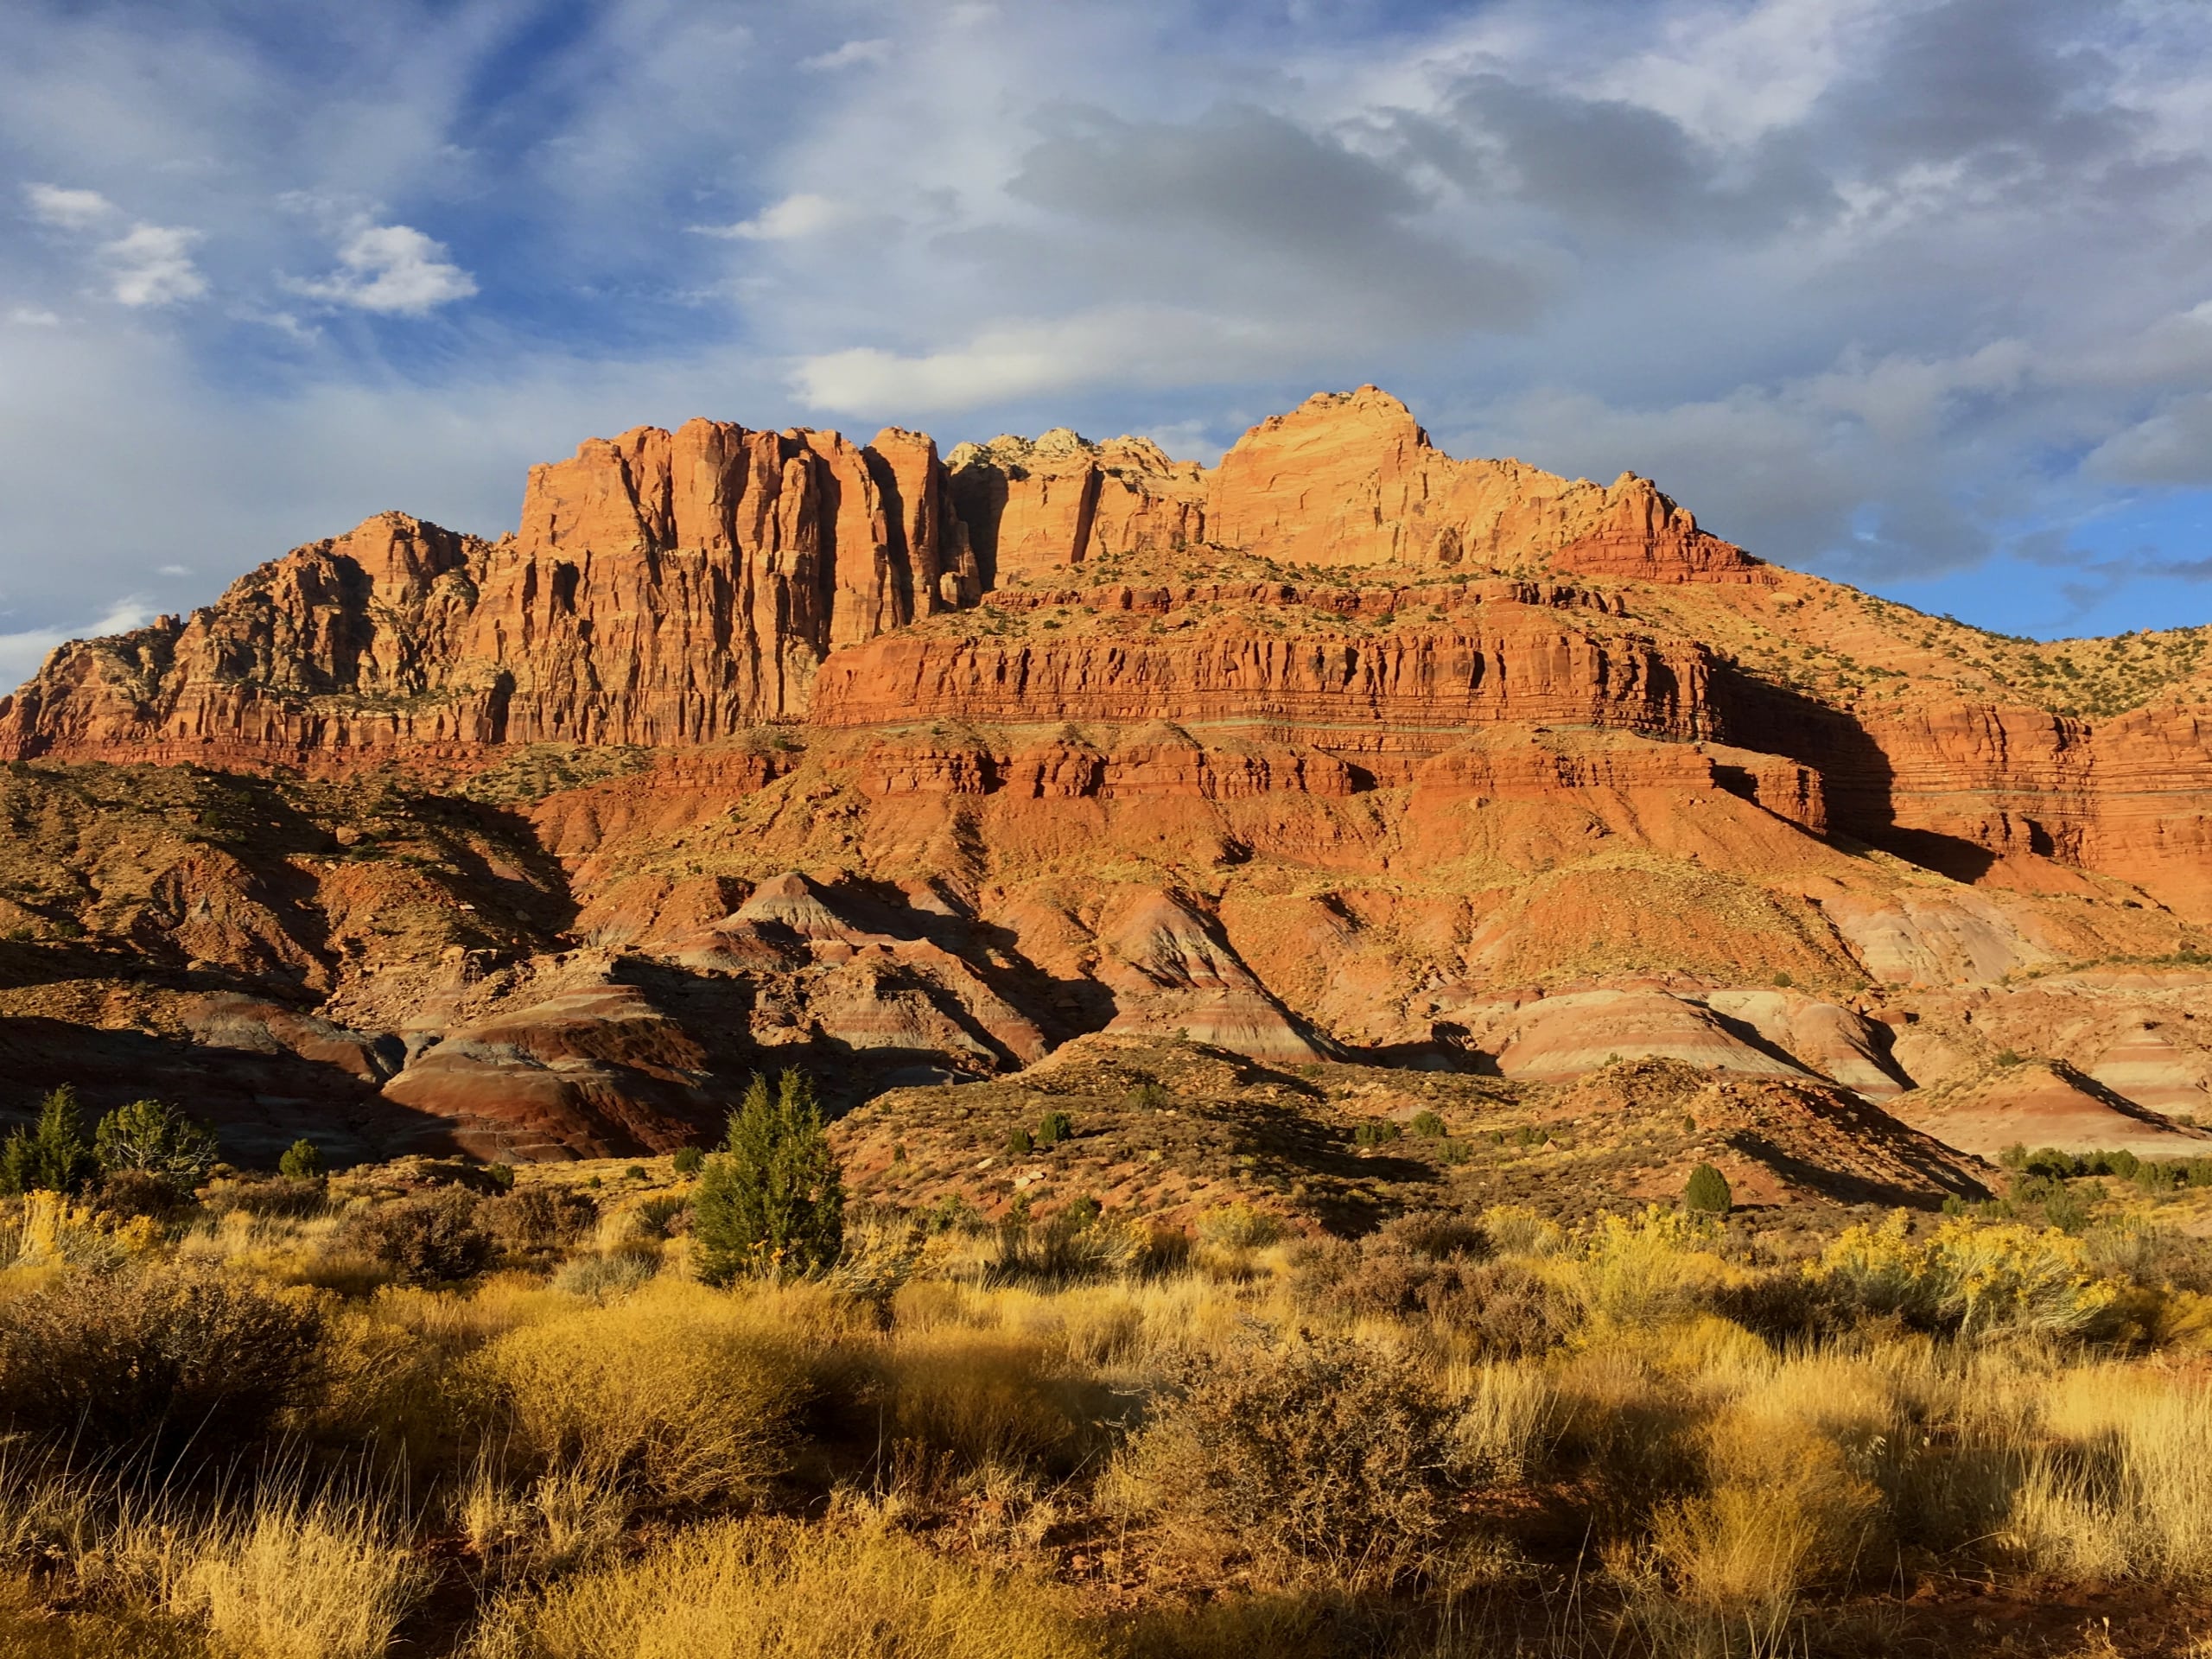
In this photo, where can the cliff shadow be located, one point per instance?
(258, 1103)
(1858, 777)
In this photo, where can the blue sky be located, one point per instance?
(1917, 293)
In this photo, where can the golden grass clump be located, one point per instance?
(296, 1580)
(2121, 1486)
(781, 1590)
(986, 1397)
(688, 1392)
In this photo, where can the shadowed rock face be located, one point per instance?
(755, 748)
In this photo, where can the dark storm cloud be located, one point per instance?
(2008, 84)
(1608, 164)
(1241, 199)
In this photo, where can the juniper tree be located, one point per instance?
(52, 1158)
(771, 1200)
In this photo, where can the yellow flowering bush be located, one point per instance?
(1978, 1278)
(54, 1231)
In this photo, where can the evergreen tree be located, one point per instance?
(148, 1135)
(771, 1201)
(52, 1158)
(1707, 1190)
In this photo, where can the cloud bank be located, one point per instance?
(1914, 292)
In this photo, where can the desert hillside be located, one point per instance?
(751, 750)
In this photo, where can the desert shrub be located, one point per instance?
(125, 1194)
(772, 1202)
(2067, 1211)
(688, 1159)
(1076, 1242)
(1969, 1277)
(52, 1157)
(1377, 1131)
(1054, 1128)
(430, 1238)
(149, 1136)
(662, 1215)
(539, 1218)
(303, 1160)
(1435, 1233)
(154, 1358)
(1431, 1267)
(1324, 1453)
(759, 1589)
(681, 1393)
(1650, 1270)
(617, 1273)
(1020, 1144)
(1427, 1125)
(1706, 1191)
(1149, 1097)
(1239, 1227)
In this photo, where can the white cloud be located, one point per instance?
(174, 570)
(151, 265)
(68, 210)
(852, 52)
(1135, 344)
(788, 220)
(394, 270)
(34, 316)
(21, 653)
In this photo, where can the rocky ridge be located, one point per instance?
(751, 748)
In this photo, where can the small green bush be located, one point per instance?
(1428, 1126)
(1020, 1144)
(303, 1161)
(688, 1159)
(1706, 1191)
(159, 1141)
(1149, 1097)
(1376, 1132)
(635, 1172)
(1054, 1128)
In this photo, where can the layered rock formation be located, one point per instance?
(750, 749)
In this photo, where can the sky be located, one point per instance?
(1914, 293)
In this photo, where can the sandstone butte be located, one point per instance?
(755, 748)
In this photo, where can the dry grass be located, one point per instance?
(687, 1393)
(777, 1590)
(294, 1579)
(936, 1432)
